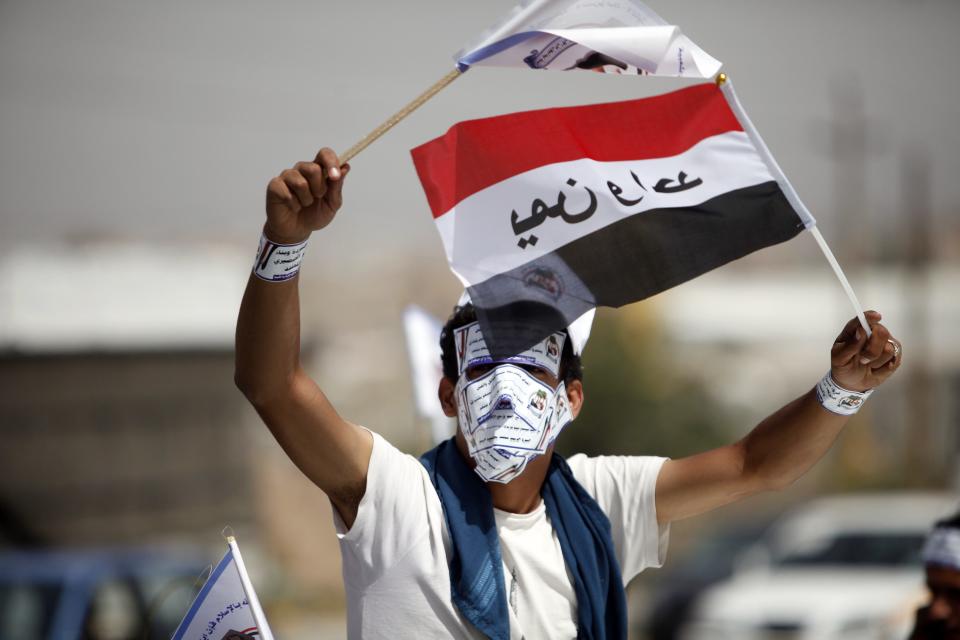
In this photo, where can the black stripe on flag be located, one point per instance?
(628, 261)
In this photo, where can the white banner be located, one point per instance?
(606, 36)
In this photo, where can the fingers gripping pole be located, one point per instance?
(414, 104)
(841, 277)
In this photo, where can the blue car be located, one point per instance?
(104, 594)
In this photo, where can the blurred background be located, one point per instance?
(136, 141)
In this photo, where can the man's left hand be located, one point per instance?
(859, 363)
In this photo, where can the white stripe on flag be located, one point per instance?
(479, 238)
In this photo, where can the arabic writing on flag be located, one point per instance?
(547, 214)
(612, 36)
(225, 609)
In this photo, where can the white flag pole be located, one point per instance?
(726, 86)
(255, 609)
(825, 248)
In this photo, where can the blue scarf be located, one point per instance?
(476, 568)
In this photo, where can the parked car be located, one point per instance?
(840, 567)
(127, 594)
(680, 583)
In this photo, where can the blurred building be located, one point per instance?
(120, 447)
(121, 423)
(760, 337)
(117, 409)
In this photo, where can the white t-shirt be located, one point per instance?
(395, 556)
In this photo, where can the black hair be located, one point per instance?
(571, 367)
(953, 522)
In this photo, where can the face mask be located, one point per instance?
(507, 415)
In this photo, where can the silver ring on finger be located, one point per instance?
(896, 348)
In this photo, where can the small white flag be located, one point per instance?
(422, 331)
(608, 36)
(227, 607)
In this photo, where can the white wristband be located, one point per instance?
(836, 399)
(278, 262)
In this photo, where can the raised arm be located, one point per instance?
(785, 445)
(330, 451)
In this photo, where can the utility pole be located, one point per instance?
(926, 441)
(849, 146)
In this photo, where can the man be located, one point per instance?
(941, 618)
(479, 539)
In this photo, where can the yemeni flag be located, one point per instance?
(547, 214)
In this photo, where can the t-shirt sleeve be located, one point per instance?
(391, 517)
(625, 487)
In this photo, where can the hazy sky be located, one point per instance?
(164, 120)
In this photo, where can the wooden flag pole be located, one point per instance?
(390, 122)
(520, 17)
(514, 22)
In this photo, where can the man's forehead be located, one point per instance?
(472, 351)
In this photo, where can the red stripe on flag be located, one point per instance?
(476, 154)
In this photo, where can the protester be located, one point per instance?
(492, 534)
(940, 619)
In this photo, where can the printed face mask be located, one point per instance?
(507, 415)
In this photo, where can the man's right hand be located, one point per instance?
(305, 198)
(331, 451)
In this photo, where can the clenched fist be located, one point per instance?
(305, 198)
(859, 363)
